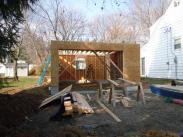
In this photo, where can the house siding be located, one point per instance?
(7, 70)
(159, 52)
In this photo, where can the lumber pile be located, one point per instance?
(70, 102)
(56, 96)
(81, 105)
(68, 106)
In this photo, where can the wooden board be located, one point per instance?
(56, 96)
(113, 82)
(130, 82)
(109, 112)
(125, 103)
(82, 105)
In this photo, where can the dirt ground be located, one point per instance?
(20, 117)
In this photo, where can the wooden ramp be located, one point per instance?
(56, 96)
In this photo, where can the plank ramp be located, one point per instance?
(56, 96)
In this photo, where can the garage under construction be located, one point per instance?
(90, 61)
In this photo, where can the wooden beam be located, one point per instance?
(55, 67)
(88, 52)
(113, 82)
(93, 46)
(127, 81)
(89, 98)
(112, 52)
(109, 112)
(82, 104)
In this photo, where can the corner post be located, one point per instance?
(54, 69)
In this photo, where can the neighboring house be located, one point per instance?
(6, 69)
(162, 56)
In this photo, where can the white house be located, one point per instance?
(162, 56)
(6, 69)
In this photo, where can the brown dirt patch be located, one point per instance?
(15, 109)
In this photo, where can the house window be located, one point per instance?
(176, 3)
(80, 63)
(143, 66)
(177, 43)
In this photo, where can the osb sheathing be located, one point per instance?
(131, 57)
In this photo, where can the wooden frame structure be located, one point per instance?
(130, 60)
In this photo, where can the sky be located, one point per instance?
(93, 8)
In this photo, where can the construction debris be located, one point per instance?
(125, 102)
(123, 84)
(56, 96)
(70, 102)
(82, 105)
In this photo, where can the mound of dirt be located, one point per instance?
(15, 109)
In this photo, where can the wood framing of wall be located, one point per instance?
(71, 73)
(131, 57)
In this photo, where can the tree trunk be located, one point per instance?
(15, 70)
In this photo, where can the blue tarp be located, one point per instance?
(166, 92)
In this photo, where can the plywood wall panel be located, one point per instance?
(78, 74)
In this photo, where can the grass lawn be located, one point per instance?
(156, 81)
(22, 83)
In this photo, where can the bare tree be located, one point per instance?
(134, 20)
(16, 55)
(33, 41)
(64, 24)
(145, 13)
(113, 28)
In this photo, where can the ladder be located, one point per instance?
(41, 78)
